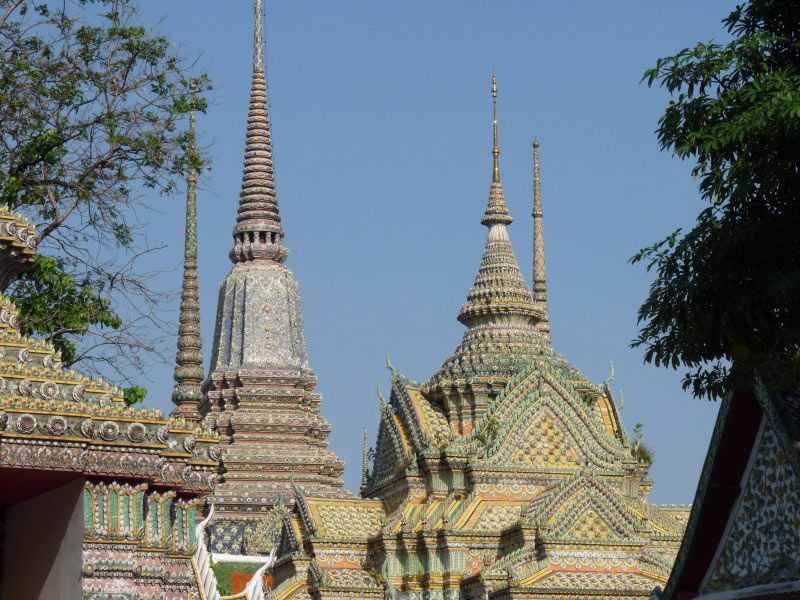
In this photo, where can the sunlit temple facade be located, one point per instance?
(507, 474)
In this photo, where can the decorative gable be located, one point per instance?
(591, 526)
(763, 544)
(583, 509)
(544, 444)
(542, 422)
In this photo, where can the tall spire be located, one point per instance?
(539, 269)
(496, 148)
(365, 465)
(260, 387)
(189, 375)
(258, 235)
(500, 314)
(499, 286)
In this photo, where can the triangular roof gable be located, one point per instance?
(509, 419)
(389, 448)
(423, 423)
(735, 435)
(586, 502)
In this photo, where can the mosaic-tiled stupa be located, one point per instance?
(506, 475)
(260, 388)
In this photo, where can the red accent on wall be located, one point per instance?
(736, 445)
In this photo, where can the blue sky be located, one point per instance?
(381, 117)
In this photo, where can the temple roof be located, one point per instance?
(500, 312)
(53, 418)
(17, 246)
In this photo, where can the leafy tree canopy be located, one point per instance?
(726, 298)
(92, 106)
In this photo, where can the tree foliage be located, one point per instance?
(726, 298)
(92, 106)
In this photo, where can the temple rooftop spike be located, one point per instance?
(499, 287)
(187, 394)
(365, 465)
(539, 267)
(260, 387)
(500, 314)
(496, 211)
(258, 234)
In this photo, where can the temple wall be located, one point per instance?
(43, 541)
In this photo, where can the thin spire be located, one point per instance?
(496, 211)
(189, 374)
(258, 235)
(499, 286)
(539, 269)
(365, 465)
(258, 37)
(496, 148)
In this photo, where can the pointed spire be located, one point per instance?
(365, 465)
(499, 286)
(258, 235)
(496, 211)
(539, 269)
(500, 313)
(189, 374)
(496, 148)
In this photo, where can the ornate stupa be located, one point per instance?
(507, 475)
(260, 388)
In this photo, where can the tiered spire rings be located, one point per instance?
(187, 393)
(539, 269)
(499, 290)
(258, 235)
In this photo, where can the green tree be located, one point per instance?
(726, 298)
(92, 106)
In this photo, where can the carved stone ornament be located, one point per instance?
(26, 423)
(25, 387)
(49, 362)
(87, 428)
(24, 355)
(48, 390)
(78, 392)
(3, 420)
(214, 452)
(105, 399)
(162, 434)
(57, 425)
(109, 431)
(188, 443)
(136, 432)
(3, 385)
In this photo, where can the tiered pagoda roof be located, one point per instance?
(260, 385)
(507, 475)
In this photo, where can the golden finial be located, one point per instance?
(496, 149)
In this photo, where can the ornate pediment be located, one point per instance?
(583, 509)
(541, 421)
(269, 531)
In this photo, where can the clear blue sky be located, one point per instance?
(381, 119)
